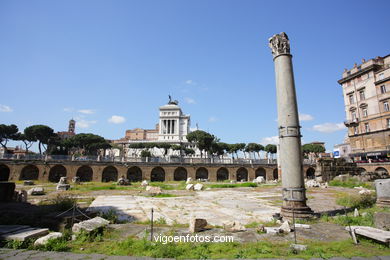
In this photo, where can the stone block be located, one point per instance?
(259, 179)
(90, 225)
(197, 225)
(36, 191)
(285, 227)
(382, 187)
(297, 247)
(44, 240)
(24, 234)
(189, 180)
(144, 183)
(63, 187)
(198, 186)
(382, 220)
(153, 190)
(7, 190)
(28, 183)
(272, 230)
(233, 226)
(190, 186)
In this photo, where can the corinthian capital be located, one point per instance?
(279, 44)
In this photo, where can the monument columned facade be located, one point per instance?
(172, 128)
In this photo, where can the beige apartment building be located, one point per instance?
(366, 91)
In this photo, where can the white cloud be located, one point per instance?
(190, 82)
(116, 119)
(270, 140)
(212, 119)
(329, 127)
(82, 123)
(190, 100)
(305, 117)
(4, 108)
(86, 111)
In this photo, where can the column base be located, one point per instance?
(298, 209)
(383, 202)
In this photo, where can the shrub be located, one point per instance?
(357, 201)
(62, 203)
(110, 215)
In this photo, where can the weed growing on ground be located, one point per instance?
(110, 215)
(359, 201)
(350, 183)
(63, 202)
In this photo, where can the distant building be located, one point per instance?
(70, 132)
(366, 91)
(173, 127)
(341, 150)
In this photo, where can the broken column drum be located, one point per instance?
(290, 154)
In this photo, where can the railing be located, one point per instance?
(167, 160)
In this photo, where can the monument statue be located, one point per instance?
(290, 154)
(172, 102)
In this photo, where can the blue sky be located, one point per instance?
(92, 60)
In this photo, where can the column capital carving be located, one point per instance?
(279, 44)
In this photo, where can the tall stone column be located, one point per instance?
(290, 154)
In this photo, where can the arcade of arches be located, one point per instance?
(101, 172)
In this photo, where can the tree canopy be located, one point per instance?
(40, 133)
(203, 139)
(88, 143)
(7, 132)
(313, 148)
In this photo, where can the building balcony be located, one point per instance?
(353, 122)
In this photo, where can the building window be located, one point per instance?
(381, 76)
(355, 130)
(386, 106)
(351, 99)
(388, 122)
(353, 115)
(361, 94)
(367, 127)
(364, 112)
(383, 89)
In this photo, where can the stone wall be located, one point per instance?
(328, 168)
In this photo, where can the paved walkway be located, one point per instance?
(10, 254)
(216, 206)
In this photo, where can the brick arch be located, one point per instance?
(260, 172)
(4, 172)
(85, 173)
(242, 174)
(310, 173)
(222, 174)
(157, 174)
(56, 172)
(383, 172)
(180, 174)
(275, 174)
(110, 173)
(29, 172)
(361, 170)
(202, 173)
(134, 174)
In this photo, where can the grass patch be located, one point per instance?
(231, 185)
(351, 183)
(262, 249)
(102, 186)
(359, 201)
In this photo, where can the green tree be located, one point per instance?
(232, 149)
(27, 142)
(7, 132)
(254, 148)
(40, 133)
(270, 148)
(89, 144)
(203, 140)
(312, 148)
(145, 153)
